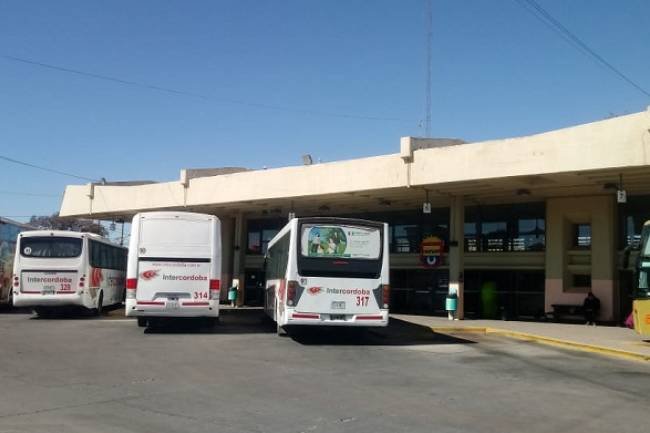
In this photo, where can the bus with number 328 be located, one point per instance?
(54, 269)
(328, 271)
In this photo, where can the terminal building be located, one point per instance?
(541, 219)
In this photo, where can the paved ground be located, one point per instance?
(611, 337)
(107, 375)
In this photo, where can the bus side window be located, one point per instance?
(94, 254)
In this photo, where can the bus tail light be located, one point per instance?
(294, 291)
(215, 286)
(16, 281)
(131, 286)
(382, 296)
(385, 295)
(82, 281)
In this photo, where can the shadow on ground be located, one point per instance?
(72, 313)
(398, 333)
(231, 321)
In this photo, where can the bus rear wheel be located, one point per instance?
(100, 307)
(142, 322)
(43, 312)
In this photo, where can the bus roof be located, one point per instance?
(177, 214)
(66, 233)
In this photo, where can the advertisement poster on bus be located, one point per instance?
(340, 242)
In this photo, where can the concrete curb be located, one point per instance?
(557, 342)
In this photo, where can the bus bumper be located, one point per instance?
(39, 300)
(163, 308)
(379, 319)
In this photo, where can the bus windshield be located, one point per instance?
(50, 247)
(333, 250)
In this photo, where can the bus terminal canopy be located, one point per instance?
(588, 159)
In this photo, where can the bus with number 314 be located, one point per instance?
(328, 271)
(174, 267)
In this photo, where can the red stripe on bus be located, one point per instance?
(369, 317)
(196, 303)
(150, 303)
(305, 316)
(31, 292)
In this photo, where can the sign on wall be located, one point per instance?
(431, 251)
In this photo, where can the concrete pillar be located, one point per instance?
(239, 250)
(456, 252)
(227, 254)
(563, 260)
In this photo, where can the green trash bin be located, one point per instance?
(489, 307)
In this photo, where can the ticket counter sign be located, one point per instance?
(431, 251)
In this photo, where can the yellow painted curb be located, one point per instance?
(583, 347)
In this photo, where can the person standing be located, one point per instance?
(591, 307)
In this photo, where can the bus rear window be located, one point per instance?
(338, 241)
(340, 251)
(50, 247)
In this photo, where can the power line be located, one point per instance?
(191, 94)
(545, 17)
(63, 173)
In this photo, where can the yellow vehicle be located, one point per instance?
(641, 304)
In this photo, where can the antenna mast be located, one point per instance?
(427, 124)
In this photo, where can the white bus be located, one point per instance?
(174, 266)
(8, 235)
(328, 271)
(55, 268)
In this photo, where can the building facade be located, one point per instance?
(531, 221)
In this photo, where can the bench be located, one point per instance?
(564, 311)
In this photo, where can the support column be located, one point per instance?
(239, 250)
(227, 251)
(456, 252)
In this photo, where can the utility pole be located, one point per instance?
(427, 124)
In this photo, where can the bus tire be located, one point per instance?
(211, 322)
(142, 322)
(43, 312)
(100, 305)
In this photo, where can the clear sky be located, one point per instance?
(497, 72)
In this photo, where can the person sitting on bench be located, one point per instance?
(591, 307)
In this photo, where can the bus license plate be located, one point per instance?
(172, 304)
(337, 316)
(338, 305)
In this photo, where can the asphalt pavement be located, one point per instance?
(82, 374)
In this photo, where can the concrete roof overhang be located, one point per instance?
(579, 160)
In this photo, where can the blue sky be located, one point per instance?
(497, 72)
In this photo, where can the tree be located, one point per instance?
(55, 222)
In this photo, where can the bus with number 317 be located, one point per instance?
(328, 271)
